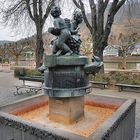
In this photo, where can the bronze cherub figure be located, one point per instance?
(62, 32)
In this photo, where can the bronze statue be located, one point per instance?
(60, 30)
(74, 42)
(68, 41)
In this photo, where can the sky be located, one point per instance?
(7, 34)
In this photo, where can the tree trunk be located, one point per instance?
(124, 61)
(17, 59)
(99, 53)
(39, 47)
(98, 48)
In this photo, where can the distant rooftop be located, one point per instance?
(137, 45)
(2, 42)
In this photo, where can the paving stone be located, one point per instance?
(7, 88)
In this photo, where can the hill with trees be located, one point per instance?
(2, 42)
(126, 21)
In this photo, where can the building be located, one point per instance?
(136, 50)
(27, 58)
(111, 51)
(132, 62)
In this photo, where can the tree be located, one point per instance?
(22, 11)
(4, 54)
(17, 48)
(125, 44)
(98, 27)
(86, 47)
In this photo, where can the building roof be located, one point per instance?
(137, 45)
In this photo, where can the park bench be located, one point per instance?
(99, 84)
(29, 88)
(126, 87)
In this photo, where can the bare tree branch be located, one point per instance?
(93, 16)
(29, 9)
(77, 4)
(119, 5)
(105, 4)
(51, 3)
(40, 9)
(84, 16)
(35, 9)
(116, 5)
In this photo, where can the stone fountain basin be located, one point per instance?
(119, 126)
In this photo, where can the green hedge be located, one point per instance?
(112, 77)
(21, 71)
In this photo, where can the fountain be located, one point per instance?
(65, 110)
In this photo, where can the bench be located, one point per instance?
(29, 88)
(126, 87)
(99, 84)
(33, 79)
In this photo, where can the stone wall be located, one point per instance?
(112, 62)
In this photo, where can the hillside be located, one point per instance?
(126, 20)
(2, 42)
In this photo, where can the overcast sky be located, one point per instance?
(6, 34)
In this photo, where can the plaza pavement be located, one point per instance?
(7, 88)
(7, 82)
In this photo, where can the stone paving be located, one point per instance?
(7, 82)
(7, 88)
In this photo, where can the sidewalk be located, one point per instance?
(7, 82)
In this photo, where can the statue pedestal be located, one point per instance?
(66, 110)
(65, 76)
(66, 84)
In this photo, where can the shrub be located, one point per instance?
(114, 77)
(126, 78)
(32, 72)
(100, 77)
(21, 71)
